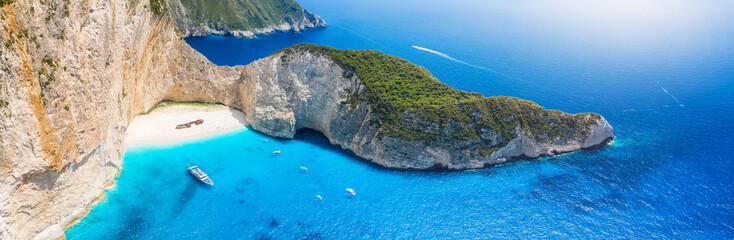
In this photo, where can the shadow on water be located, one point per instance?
(133, 224)
(188, 193)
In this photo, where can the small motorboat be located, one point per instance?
(304, 168)
(319, 197)
(201, 175)
(277, 151)
(351, 191)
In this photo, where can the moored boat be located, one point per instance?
(201, 175)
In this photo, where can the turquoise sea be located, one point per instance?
(661, 72)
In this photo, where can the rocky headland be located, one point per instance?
(75, 73)
(396, 114)
(240, 18)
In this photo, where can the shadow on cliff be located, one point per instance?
(318, 140)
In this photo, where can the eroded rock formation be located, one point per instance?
(73, 75)
(240, 18)
(308, 90)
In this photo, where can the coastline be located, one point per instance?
(89, 207)
(153, 128)
(159, 126)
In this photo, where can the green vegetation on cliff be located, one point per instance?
(6, 2)
(168, 103)
(242, 14)
(412, 104)
(158, 6)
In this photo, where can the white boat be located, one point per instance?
(201, 175)
(351, 191)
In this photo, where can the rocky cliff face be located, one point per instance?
(73, 75)
(240, 18)
(309, 90)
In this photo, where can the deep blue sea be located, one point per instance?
(660, 71)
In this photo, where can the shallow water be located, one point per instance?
(661, 72)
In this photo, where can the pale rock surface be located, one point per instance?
(187, 28)
(115, 60)
(307, 90)
(110, 62)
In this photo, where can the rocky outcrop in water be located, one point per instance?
(309, 90)
(73, 74)
(240, 18)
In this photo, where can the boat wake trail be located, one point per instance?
(671, 95)
(360, 35)
(443, 55)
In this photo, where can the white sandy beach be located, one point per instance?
(159, 126)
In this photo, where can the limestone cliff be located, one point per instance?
(307, 89)
(72, 76)
(74, 73)
(240, 18)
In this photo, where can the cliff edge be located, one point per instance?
(240, 18)
(396, 114)
(74, 73)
